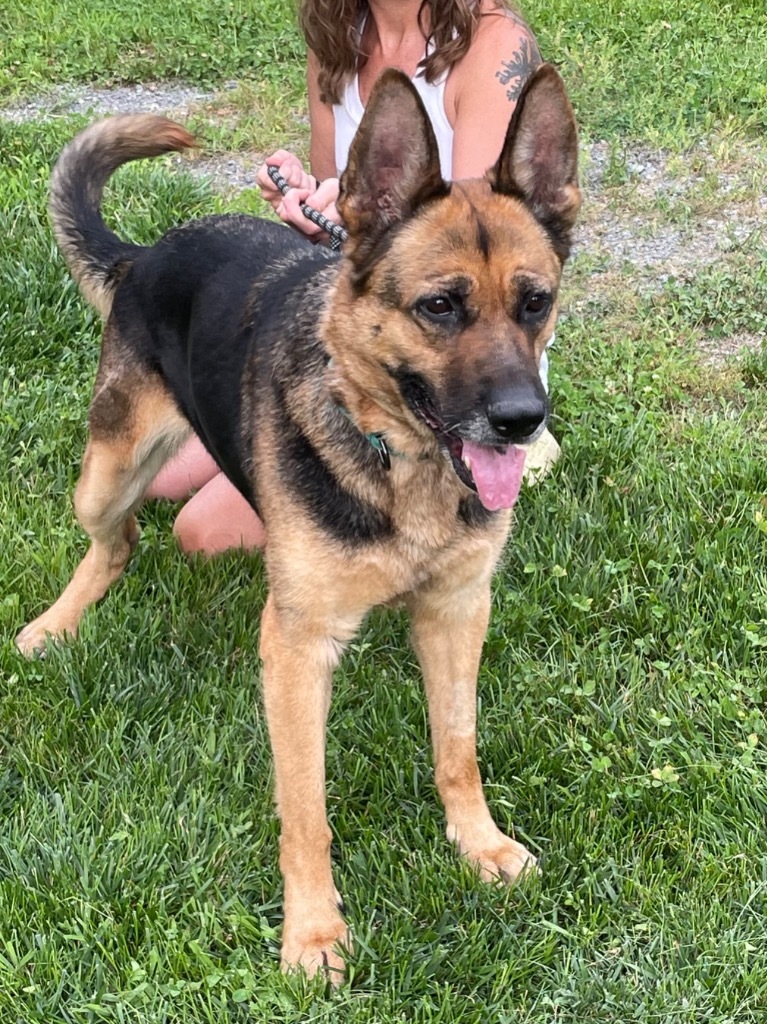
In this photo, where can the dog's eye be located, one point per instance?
(440, 309)
(535, 306)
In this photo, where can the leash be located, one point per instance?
(336, 232)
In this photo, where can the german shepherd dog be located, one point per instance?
(373, 406)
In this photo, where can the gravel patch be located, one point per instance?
(657, 249)
(149, 98)
(230, 172)
(646, 240)
(717, 351)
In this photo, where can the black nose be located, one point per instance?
(516, 412)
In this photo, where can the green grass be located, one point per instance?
(115, 41)
(622, 725)
(663, 71)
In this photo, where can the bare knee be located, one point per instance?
(190, 469)
(201, 528)
(191, 531)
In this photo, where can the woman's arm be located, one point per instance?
(322, 147)
(483, 91)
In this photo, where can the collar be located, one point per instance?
(376, 440)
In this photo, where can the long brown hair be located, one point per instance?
(331, 31)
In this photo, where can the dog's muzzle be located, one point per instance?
(484, 450)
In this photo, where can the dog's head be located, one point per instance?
(448, 292)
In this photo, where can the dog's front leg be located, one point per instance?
(449, 626)
(297, 678)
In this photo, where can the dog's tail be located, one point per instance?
(94, 254)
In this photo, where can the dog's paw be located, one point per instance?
(499, 860)
(318, 950)
(41, 633)
(508, 862)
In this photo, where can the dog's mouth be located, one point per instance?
(494, 473)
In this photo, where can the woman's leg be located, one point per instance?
(216, 519)
(187, 471)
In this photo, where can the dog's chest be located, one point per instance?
(430, 522)
(425, 521)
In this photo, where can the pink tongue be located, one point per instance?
(498, 477)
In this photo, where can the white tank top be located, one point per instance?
(348, 113)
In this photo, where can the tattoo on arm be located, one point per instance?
(516, 71)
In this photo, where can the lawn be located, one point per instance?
(622, 694)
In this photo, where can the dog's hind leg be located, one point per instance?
(134, 427)
(449, 621)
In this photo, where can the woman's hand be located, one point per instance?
(321, 199)
(291, 169)
(304, 188)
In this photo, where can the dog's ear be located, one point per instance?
(539, 160)
(393, 164)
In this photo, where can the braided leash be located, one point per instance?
(336, 232)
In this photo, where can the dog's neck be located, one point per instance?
(378, 438)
